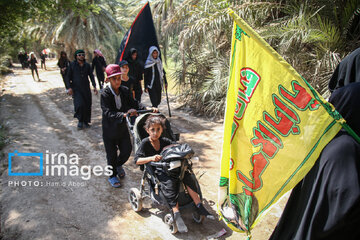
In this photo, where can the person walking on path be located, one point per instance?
(33, 67)
(42, 57)
(77, 85)
(63, 64)
(99, 64)
(136, 72)
(21, 60)
(154, 76)
(116, 104)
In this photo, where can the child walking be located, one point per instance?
(33, 67)
(116, 104)
(149, 151)
(127, 80)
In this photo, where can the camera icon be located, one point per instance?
(24, 155)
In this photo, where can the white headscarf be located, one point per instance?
(150, 62)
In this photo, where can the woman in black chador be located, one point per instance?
(154, 76)
(63, 64)
(99, 64)
(135, 72)
(77, 84)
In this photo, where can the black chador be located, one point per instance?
(135, 72)
(154, 77)
(347, 71)
(99, 64)
(77, 79)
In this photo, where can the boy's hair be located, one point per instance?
(155, 119)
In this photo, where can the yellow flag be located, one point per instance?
(275, 128)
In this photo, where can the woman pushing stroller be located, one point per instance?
(149, 151)
(116, 104)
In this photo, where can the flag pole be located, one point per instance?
(167, 100)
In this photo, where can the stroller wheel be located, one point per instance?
(171, 223)
(135, 199)
(197, 217)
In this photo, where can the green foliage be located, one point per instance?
(311, 35)
(60, 24)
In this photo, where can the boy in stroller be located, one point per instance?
(151, 150)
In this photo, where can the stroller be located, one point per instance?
(176, 161)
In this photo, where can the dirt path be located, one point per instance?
(39, 117)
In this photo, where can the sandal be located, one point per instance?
(120, 172)
(114, 181)
(203, 212)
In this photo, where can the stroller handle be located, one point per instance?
(141, 112)
(144, 111)
(159, 164)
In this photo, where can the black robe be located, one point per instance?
(347, 71)
(326, 203)
(130, 84)
(99, 63)
(33, 62)
(77, 78)
(155, 90)
(63, 63)
(113, 121)
(136, 72)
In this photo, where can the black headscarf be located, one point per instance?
(346, 101)
(129, 58)
(347, 71)
(135, 67)
(63, 59)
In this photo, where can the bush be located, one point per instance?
(5, 64)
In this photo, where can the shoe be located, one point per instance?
(203, 212)
(120, 172)
(114, 181)
(80, 126)
(86, 125)
(180, 223)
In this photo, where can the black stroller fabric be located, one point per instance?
(171, 186)
(175, 152)
(171, 183)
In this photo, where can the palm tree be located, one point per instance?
(88, 30)
(311, 35)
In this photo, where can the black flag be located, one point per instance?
(141, 35)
